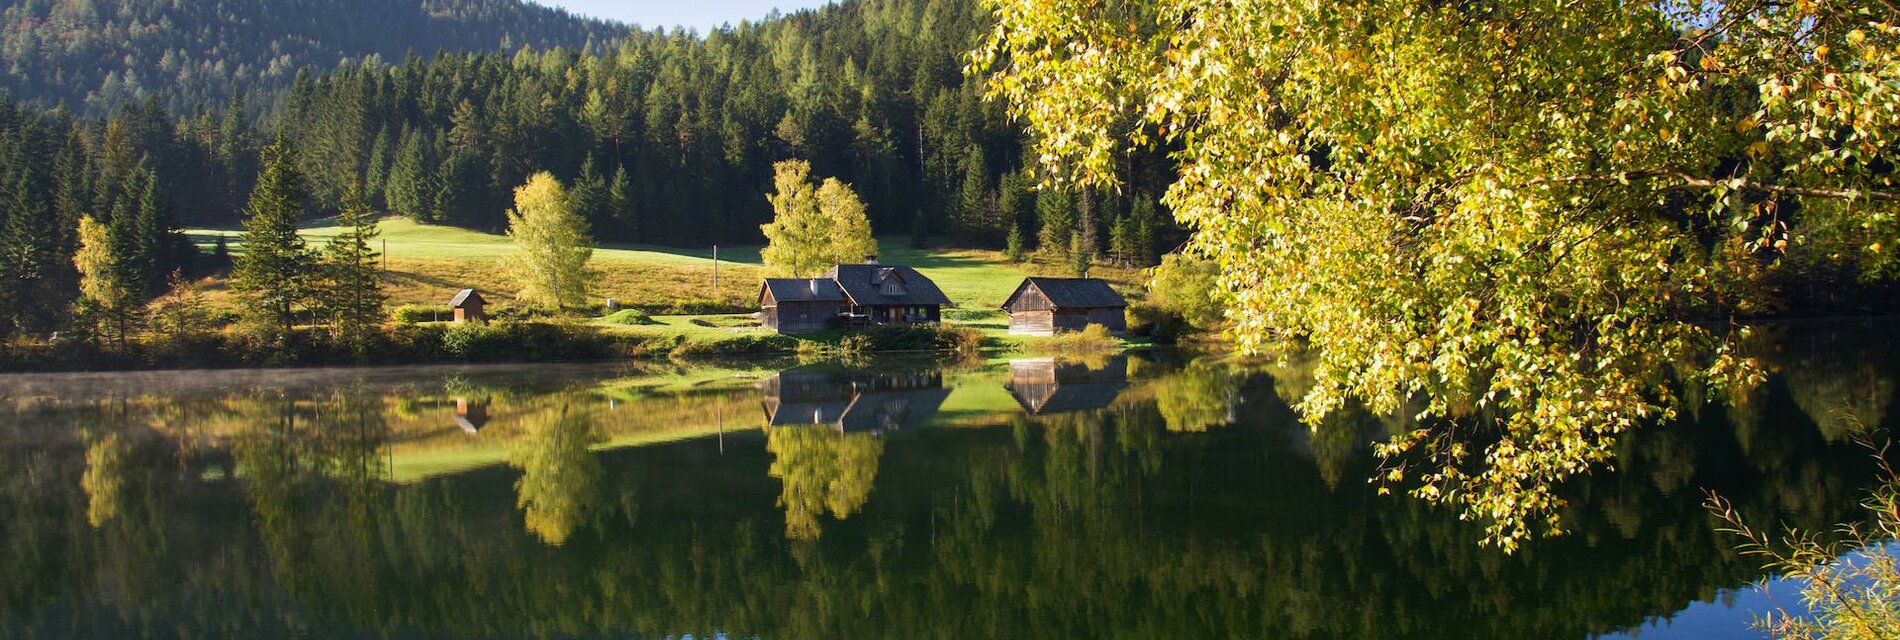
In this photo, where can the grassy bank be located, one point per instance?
(426, 264)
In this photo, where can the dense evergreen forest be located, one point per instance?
(94, 55)
(665, 138)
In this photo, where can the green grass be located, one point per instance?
(427, 264)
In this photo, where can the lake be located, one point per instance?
(1139, 496)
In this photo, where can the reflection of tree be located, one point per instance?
(560, 478)
(104, 480)
(821, 470)
(1842, 399)
(1198, 398)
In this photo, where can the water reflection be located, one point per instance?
(852, 400)
(1130, 497)
(1050, 385)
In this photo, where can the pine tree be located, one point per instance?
(1121, 241)
(351, 293)
(273, 273)
(1056, 217)
(626, 220)
(1143, 245)
(411, 185)
(553, 243)
(590, 197)
(1013, 246)
(973, 199)
(1079, 261)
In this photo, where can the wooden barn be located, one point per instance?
(1043, 306)
(851, 295)
(798, 305)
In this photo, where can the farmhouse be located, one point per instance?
(850, 295)
(1043, 306)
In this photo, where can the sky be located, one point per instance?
(696, 14)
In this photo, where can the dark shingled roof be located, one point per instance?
(860, 281)
(462, 297)
(1069, 293)
(803, 290)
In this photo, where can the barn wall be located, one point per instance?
(1032, 323)
(1032, 299)
(1115, 319)
(799, 317)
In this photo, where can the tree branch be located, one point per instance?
(1687, 181)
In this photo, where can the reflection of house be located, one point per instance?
(471, 415)
(851, 295)
(1048, 385)
(1043, 306)
(853, 401)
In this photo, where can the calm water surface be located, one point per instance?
(1143, 496)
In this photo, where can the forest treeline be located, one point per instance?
(664, 138)
(92, 56)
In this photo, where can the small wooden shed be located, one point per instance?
(798, 305)
(1043, 306)
(469, 306)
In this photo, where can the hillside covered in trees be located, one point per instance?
(663, 138)
(95, 55)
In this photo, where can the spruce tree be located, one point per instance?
(626, 219)
(351, 293)
(410, 189)
(273, 273)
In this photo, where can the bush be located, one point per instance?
(629, 317)
(738, 345)
(913, 338)
(417, 313)
(1094, 338)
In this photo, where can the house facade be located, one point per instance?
(1043, 306)
(851, 295)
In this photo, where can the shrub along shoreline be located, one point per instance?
(527, 341)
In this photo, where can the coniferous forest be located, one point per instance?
(665, 137)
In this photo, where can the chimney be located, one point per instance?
(870, 259)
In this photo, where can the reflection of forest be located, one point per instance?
(1218, 517)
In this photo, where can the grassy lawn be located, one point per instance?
(429, 263)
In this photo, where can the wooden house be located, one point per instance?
(799, 305)
(1046, 385)
(1043, 306)
(851, 295)
(469, 306)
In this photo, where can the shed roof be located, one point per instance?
(464, 296)
(1071, 292)
(860, 281)
(803, 290)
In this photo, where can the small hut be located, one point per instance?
(468, 306)
(1043, 306)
